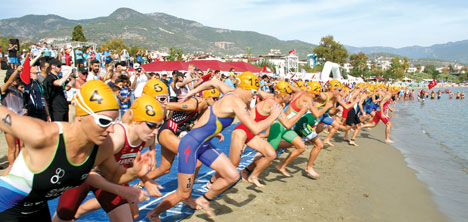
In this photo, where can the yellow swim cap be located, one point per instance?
(335, 84)
(282, 88)
(95, 96)
(146, 108)
(247, 80)
(314, 87)
(300, 84)
(210, 93)
(155, 87)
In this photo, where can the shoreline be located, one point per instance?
(371, 182)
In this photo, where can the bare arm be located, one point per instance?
(222, 87)
(36, 134)
(187, 106)
(4, 87)
(61, 81)
(240, 109)
(289, 123)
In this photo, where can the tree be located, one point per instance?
(271, 66)
(175, 54)
(133, 49)
(114, 44)
(359, 63)
(397, 69)
(331, 51)
(78, 35)
(430, 69)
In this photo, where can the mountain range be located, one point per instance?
(162, 31)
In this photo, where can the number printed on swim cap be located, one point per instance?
(150, 110)
(95, 97)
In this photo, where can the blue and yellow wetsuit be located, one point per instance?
(196, 144)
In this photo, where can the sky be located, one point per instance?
(392, 23)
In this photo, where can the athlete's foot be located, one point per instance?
(153, 217)
(203, 204)
(245, 175)
(352, 142)
(389, 141)
(312, 173)
(346, 138)
(283, 171)
(328, 143)
(255, 181)
(190, 203)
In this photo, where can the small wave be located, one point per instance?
(458, 159)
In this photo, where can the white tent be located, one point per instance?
(330, 67)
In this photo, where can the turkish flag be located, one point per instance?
(26, 72)
(264, 68)
(432, 84)
(293, 52)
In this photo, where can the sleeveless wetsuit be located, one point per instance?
(258, 117)
(24, 193)
(180, 121)
(305, 127)
(378, 114)
(71, 200)
(325, 118)
(196, 144)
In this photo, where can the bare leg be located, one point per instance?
(318, 145)
(86, 207)
(121, 213)
(387, 132)
(299, 148)
(268, 154)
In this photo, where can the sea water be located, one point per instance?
(432, 135)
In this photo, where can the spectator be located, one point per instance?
(13, 55)
(95, 70)
(139, 80)
(82, 76)
(79, 56)
(34, 95)
(55, 95)
(12, 98)
(45, 50)
(164, 78)
(124, 96)
(230, 80)
(180, 84)
(264, 86)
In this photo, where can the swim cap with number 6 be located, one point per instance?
(247, 80)
(155, 87)
(146, 108)
(95, 96)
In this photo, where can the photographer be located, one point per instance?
(55, 96)
(139, 80)
(13, 55)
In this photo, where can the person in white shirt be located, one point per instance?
(138, 80)
(95, 70)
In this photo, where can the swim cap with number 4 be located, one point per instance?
(146, 108)
(247, 80)
(155, 87)
(95, 96)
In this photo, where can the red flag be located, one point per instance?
(206, 77)
(432, 84)
(293, 52)
(264, 68)
(26, 72)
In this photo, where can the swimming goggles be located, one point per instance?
(101, 120)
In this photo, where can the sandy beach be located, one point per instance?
(367, 183)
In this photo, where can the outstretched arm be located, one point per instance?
(187, 106)
(240, 109)
(222, 87)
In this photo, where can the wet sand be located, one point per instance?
(366, 183)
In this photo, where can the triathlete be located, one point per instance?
(196, 144)
(128, 138)
(58, 156)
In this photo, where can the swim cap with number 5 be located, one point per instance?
(155, 87)
(146, 108)
(95, 96)
(247, 80)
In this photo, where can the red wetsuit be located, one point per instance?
(258, 117)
